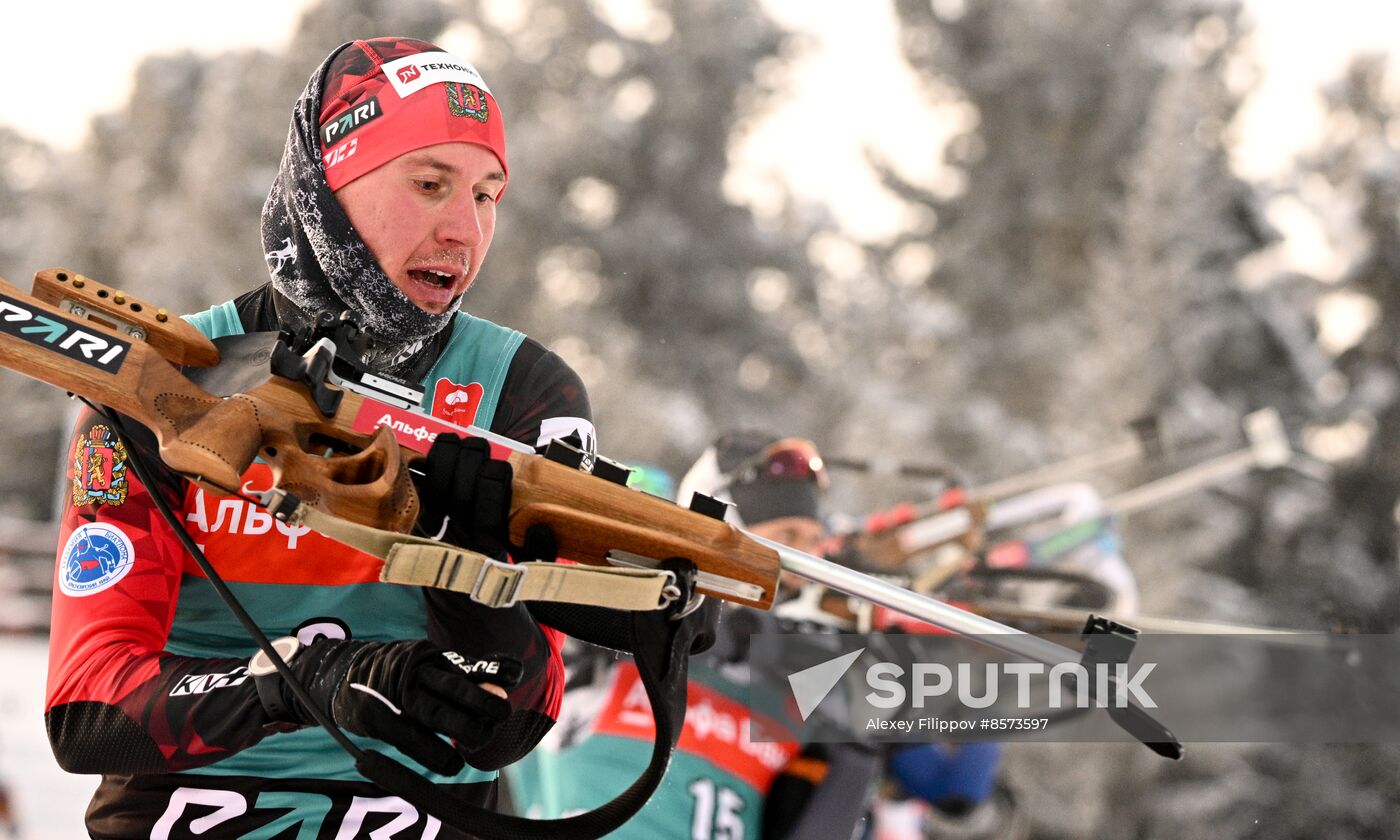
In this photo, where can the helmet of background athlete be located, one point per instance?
(762, 476)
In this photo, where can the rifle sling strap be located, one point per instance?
(414, 561)
(662, 644)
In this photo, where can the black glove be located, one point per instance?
(404, 693)
(462, 483)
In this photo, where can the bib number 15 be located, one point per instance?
(718, 812)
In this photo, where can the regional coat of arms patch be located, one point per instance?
(465, 100)
(99, 469)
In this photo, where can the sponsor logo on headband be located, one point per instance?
(465, 100)
(340, 153)
(414, 72)
(339, 128)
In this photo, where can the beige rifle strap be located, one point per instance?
(414, 561)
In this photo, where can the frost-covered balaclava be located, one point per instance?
(368, 103)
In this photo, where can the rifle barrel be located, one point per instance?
(1072, 620)
(1207, 474)
(1107, 457)
(918, 606)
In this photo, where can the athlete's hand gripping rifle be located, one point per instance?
(343, 453)
(118, 356)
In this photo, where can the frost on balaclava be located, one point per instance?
(317, 260)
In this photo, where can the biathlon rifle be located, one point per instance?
(1146, 443)
(888, 539)
(956, 521)
(340, 444)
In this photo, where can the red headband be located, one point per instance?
(397, 106)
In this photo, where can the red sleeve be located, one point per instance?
(116, 701)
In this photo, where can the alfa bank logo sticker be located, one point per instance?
(457, 403)
(414, 430)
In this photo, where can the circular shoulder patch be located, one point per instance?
(96, 556)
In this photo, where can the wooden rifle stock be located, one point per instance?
(592, 517)
(211, 440)
(75, 335)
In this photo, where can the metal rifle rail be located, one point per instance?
(1146, 443)
(1069, 620)
(1132, 718)
(861, 585)
(1267, 447)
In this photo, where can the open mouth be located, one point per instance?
(431, 277)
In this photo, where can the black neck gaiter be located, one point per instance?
(319, 262)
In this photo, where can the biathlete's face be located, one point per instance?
(800, 532)
(428, 217)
